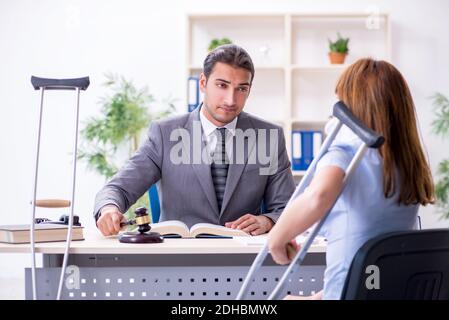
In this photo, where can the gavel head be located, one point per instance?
(142, 219)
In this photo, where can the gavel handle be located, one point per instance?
(128, 223)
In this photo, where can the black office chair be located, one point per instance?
(412, 265)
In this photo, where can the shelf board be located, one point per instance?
(326, 68)
(293, 67)
(298, 173)
(269, 67)
(342, 15)
(193, 67)
(227, 16)
(296, 121)
(293, 15)
(260, 67)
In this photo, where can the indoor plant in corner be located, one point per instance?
(441, 128)
(338, 50)
(113, 137)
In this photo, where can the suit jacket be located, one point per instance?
(186, 190)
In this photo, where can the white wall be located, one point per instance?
(146, 43)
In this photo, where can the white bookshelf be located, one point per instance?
(294, 82)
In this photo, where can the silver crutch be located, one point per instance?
(370, 140)
(43, 84)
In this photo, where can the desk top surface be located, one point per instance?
(95, 243)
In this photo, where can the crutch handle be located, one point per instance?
(60, 84)
(52, 203)
(367, 135)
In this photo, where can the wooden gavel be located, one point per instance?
(142, 220)
(142, 236)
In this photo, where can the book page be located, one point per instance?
(214, 229)
(171, 227)
(253, 241)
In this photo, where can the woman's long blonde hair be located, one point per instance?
(377, 94)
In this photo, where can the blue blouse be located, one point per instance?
(361, 212)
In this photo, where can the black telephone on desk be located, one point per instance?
(64, 219)
(56, 203)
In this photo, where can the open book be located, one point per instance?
(178, 228)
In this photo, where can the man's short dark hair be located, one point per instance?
(230, 54)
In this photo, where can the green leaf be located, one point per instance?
(340, 45)
(97, 160)
(441, 109)
(214, 43)
(125, 113)
(440, 126)
(442, 188)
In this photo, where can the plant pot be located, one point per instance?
(337, 57)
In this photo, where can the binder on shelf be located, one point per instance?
(296, 150)
(193, 93)
(305, 145)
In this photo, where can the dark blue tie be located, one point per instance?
(220, 166)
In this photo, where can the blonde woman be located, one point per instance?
(385, 191)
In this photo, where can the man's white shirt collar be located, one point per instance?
(209, 127)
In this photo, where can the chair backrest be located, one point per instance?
(410, 265)
(154, 203)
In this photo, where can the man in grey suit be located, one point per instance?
(212, 163)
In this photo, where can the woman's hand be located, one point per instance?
(307, 209)
(316, 296)
(283, 254)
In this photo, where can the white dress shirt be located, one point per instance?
(209, 135)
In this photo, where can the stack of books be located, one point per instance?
(43, 233)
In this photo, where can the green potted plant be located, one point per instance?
(124, 116)
(338, 50)
(441, 127)
(214, 43)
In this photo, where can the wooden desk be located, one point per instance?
(103, 268)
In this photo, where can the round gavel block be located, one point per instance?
(133, 237)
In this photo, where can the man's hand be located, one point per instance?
(252, 224)
(109, 221)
